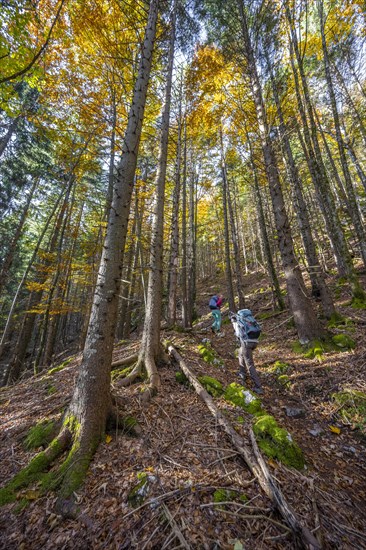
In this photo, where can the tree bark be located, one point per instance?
(354, 207)
(150, 344)
(90, 405)
(263, 230)
(307, 325)
(8, 260)
(228, 274)
(174, 241)
(316, 274)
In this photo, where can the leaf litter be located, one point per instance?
(185, 458)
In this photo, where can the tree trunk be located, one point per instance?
(184, 234)
(263, 231)
(354, 207)
(90, 405)
(8, 260)
(317, 170)
(236, 248)
(5, 140)
(306, 322)
(150, 344)
(7, 327)
(317, 277)
(174, 242)
(229, 280)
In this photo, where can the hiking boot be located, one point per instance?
(242, 378)
(258, 390)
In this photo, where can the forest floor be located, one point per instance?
(181, 457)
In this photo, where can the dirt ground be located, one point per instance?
(186, 457)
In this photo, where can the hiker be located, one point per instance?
(247, 331)
(214, 304)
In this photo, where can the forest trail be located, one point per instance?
(185, 458)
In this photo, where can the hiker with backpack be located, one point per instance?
(247, 331)
(214, 304)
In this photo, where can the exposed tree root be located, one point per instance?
(254, 461)
(81, 443)
(146, 362)
(125, 361)
(36, 467)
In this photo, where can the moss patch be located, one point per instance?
(337, 320)
(227, 495)
(30, 474)
(61, 366)
(139, 492)
(353, 407)
(317, 348)
(211, 385)
(277, 443)
(238, 395)
(284, 380)
(181, 378)
(343, 341)
(121, 373)
(280, 368)
(40, 435)
(208, 353)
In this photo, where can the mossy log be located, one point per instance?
(254, 460)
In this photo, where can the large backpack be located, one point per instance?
(212, 304)
(247, 325)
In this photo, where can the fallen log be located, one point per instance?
(254, 461)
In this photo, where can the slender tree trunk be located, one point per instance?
(354, 207)
(150, 345)
(8, 260)
(317, 278)
(229, 280)
(5, 140)
(263, 231)
(90, 405)
(184, 233)
(236, 248)
(355, 114)
(7, 327)
(306, 322)
(191, 259)
(174, 243)
(320, 181)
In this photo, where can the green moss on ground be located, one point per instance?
(139, 492)
(181, 378)
(211, 385)
(352, 409)
(33, 473)
(358, 303)
(336, 320)
(208, 353)
(121, 373)
(284, 380)
(61, 366)
(343, 341)
(317, 348)
(242, 397)
(227, 495)
(128, 425)
(279, 367)
(40, 435)
(277, 443)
